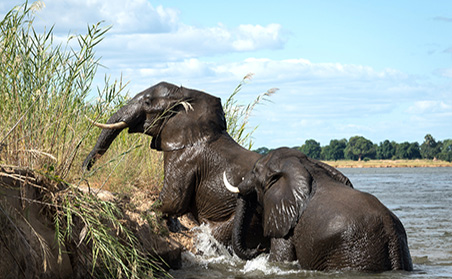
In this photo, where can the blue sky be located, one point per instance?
(378, 69)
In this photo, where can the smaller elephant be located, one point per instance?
(313, 214)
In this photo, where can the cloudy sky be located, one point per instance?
(379, 69)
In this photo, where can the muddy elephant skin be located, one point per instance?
(313, 214)
(189, 127)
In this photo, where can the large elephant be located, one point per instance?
(189, 127)
(313, 214)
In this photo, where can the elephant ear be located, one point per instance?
(284, 200)
(197, 117)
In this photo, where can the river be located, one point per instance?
(420, 197)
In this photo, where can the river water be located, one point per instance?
(420, 197)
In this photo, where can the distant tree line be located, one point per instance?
(359, 148)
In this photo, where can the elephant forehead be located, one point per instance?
(161, 90)
(159, 93)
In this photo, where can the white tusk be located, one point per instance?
(119, 125)
(231, 188)
(187, 106)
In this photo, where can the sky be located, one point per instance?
(378, 69)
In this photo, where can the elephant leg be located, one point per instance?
(223, 233)
(282, 250)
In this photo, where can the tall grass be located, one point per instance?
(237, 115)
(105, 246)
(44, 88)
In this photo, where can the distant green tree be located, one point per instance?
(414, 151)
(408, 151)
(335, 150)
(311, 148)
(446, 151)
(359, 147)
(402, 150)
(325, 153)
(262, 150)
(386, 150)
(373, 155)
(430, 148)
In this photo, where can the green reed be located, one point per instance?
(44, 88)
(237, 115)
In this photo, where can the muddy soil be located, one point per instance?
(27, 230)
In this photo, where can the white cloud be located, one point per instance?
(144, 32)
(141, 30)
(293, 76)
(126, 16)
(429, 106)
(447, 72)
(353, 89)
(316, 100)
(189, 42)
(251, 37)
(187, 68)
(303, 69)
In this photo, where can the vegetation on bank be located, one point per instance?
(417, 163)
(46, 90)
(358, 148)
(237, 116)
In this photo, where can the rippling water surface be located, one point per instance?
(420, 197)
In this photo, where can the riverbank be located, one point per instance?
(51, 229)
(389, 163)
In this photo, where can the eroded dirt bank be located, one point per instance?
(28, 204)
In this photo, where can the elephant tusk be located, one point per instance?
(231, 188)
(119, 125)
(187, 106)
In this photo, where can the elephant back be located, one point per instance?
(343, 228)
(331, 171)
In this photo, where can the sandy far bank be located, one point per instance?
(389, 164)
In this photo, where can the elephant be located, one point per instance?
(189, 127)
(313, 214)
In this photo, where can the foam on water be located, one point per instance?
(209, 250)
(213, 255)
(261, 265)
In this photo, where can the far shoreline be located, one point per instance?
(418, 163)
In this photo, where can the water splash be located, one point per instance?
(208, 250)
(262, 265)
(207, 245)
(213, 256)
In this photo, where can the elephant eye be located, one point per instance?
(275, 177)
(272, 180)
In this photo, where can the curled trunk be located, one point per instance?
(242, 220)
(105, 139)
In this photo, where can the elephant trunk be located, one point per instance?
(107, 135)
(242, 220)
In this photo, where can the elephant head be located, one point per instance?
(283, 183)
(175, 117)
